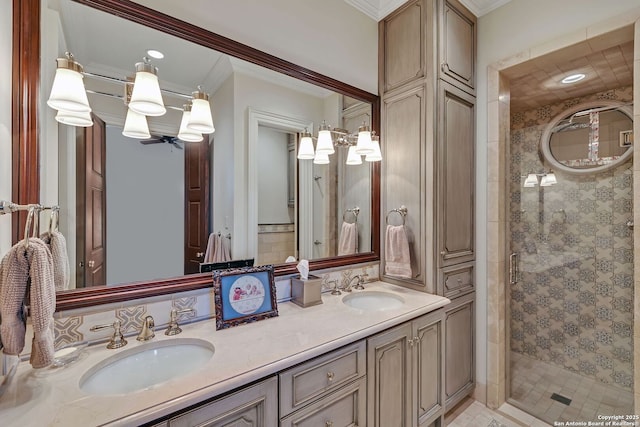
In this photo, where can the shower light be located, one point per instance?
(156, 54)
(364, 145)
(321, 158)
(136, 126)
(375, 155)
(573, 78)
(74, 118)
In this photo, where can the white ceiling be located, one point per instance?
(378, 9)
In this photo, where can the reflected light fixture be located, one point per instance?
(325, 142)
(364, 145)
(353, 158)
(305, 152)
(68, 92)
(376, 154)
(74, 118)
(201, 120)
(185, 133)
(136, 126)
(146, 98)
(321, 158)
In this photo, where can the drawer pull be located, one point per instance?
(330, 376)
(329, 424)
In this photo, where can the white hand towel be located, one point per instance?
(396, 251)
(211, 248)
(17, 269)
(58, 246)
(348, 242)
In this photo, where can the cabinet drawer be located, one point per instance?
(304, 383)
(458, 280)
(343, 408)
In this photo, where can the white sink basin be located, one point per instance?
(146, 365)
(373, 300)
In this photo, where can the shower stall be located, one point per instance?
(570, 235)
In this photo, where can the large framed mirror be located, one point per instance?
(236, 205)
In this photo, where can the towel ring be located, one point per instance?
(402, 211)
(355, 211)
(32, 218)
(53, 219)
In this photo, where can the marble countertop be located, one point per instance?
(243, 354)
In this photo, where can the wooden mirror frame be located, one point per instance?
(25, 136)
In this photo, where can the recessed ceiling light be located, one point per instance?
(155, 54)
(573, 78)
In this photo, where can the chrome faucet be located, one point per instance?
(117, 339)
(147, 332)
(174, 328)
(347, 287)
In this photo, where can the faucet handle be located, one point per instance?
(361, 280)
(117, 340)
(147, 332)
(335, 290)
(174, 328)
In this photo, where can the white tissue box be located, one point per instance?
(306, 292)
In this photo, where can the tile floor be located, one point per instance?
(533, 382)
(470, 413)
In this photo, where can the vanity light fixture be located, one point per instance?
(201, 120)
(74, 118)
(573, 78)
(365, 142)
(548, 179)
(325, 142)
(68, 92)
(146, 97)
(185, 133)
(531, 181)
(136, 126)
(305, 152)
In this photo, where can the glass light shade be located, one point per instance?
(186, 134)
(325, 142)
(67, 92)
(364, 145)
(531, 181)
(74, 118)
(321, 158)
(136, 126)
(146, 97)
(353, 158)
(376, 154)
(551, 178)
(201, 120)
(305, 151)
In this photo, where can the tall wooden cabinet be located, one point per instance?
(427, 85)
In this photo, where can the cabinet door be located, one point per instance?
(459, 353)
(404, 180)
(255, 406)
(458, 45)
(456, 173)
(389, 378)
(428, 351)
(403, 45)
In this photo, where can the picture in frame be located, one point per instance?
(244, 295)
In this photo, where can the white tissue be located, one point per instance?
(303, 268)
(290, 259)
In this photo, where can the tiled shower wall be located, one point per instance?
(573, 305)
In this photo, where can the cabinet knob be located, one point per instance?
(91, 263)
(328, 424)
(199, 254)
(330, 376)
(443, 253)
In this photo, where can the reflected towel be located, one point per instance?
(396, 251)
(348, 243)
(18, 269)
(221, 253)
(58, 247)
(211, 246)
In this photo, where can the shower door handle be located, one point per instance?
(514, 269)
